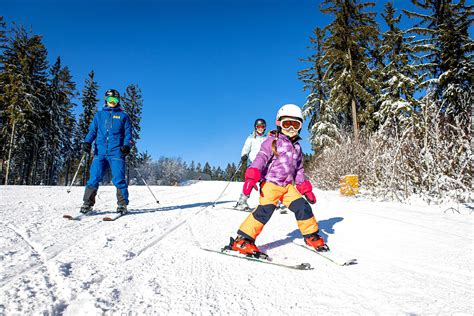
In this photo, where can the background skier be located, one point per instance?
(112, 132)
(249, 152)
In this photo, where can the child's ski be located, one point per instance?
(246, 209)
(268, 260)
(327, 256)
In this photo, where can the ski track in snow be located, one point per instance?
(412, 259)
(52, 280)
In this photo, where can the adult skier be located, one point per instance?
(249, 152)
(112, 131)
(278, 168)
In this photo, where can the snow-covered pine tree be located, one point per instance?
(59, 149)
(349, 77)
(456, 80)
(143, 171)
(207, 169)
(3, 118)
(24, 81)
(229, 171)
(3, 40)
(89, 106)
(446, 64)
(133, 103)
(322, 126)
(171, 171)
(219, 175)
(396, 101)
(214, 174)
(445, 54)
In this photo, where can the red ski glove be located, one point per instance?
(252, 176)
(306, 189)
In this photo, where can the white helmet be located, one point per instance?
(290, 110)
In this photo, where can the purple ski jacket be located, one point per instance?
(284, 168)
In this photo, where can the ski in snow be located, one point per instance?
(113, 217)
(74, 218)
(268, 260)
(247, 210)
(250, 210)
(328, 256)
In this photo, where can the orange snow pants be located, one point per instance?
(270, 194)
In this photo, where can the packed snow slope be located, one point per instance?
(412, 259)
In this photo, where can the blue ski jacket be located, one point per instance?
(111, 129)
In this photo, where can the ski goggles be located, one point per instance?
(287, 123)
(260, 126)
(112, 100)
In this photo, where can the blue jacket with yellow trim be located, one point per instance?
(111, 129)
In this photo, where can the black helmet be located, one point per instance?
(259, 122)
(112, 93)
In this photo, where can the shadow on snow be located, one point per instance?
(326, 228)
(163, 208)
(172, 208)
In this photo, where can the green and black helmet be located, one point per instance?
(112, 95)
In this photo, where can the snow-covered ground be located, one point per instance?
(412, 259)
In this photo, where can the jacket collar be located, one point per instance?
(115, 109)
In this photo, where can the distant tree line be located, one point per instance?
(173, 171)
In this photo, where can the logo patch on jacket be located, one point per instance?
(117, 117)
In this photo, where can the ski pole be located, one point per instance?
(77, 171)
(228, 183)
(143, 179)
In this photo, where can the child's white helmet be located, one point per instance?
(289, 110)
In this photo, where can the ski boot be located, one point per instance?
(316, 242)
(244, 246)
(242, 203)
(86, 208)
(122, 209)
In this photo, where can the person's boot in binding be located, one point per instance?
(244, 246)
(317, 242)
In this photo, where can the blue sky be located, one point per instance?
(207, 69)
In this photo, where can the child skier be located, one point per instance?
(112, 131)
(249, 152)
(279, 169)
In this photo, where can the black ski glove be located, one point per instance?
(125, 150)
(86, 147)
(244, 158)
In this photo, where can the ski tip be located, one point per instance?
(350, 262)
(72, 218)
(107, 219)
(304, 266)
